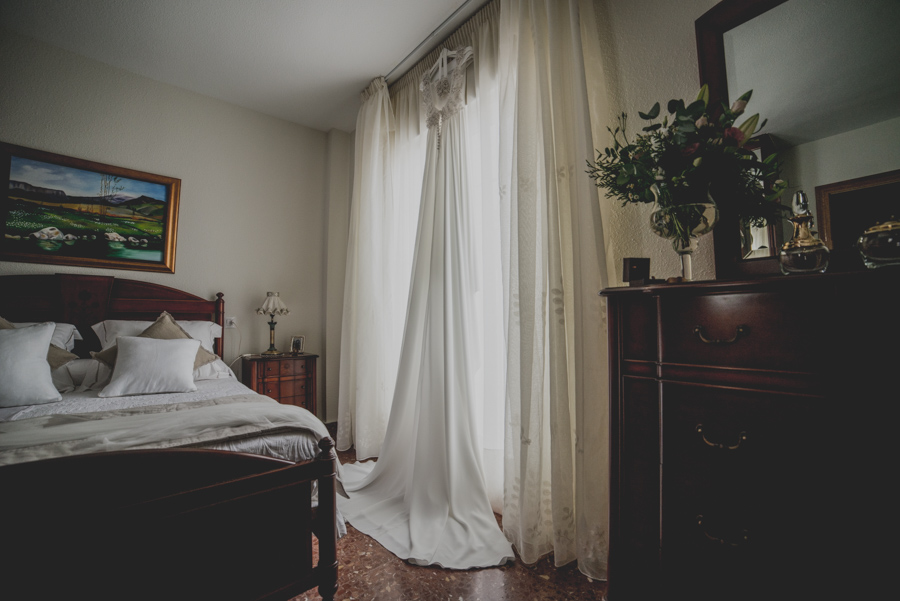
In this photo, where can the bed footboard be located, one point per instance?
(168, 524)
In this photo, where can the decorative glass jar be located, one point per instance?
(880, 244)
(804, 253)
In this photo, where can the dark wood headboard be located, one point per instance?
(84, 300)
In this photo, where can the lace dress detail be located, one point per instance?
(442, 87)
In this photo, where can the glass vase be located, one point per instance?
(682, 225)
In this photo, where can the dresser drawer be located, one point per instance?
(749, 330)
(742, 480)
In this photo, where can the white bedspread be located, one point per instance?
(295, 438)
(190, 424)
(89, 402)
(222, 414)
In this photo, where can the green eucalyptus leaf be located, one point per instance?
(696, 108)
(652, 114)
(653, 127)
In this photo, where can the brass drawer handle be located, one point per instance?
(742, 330)
(745, 536)
(717, 445)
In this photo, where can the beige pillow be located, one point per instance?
(164, 328)
(56, 356)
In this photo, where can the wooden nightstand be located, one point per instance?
(289, 379)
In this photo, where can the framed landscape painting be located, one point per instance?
(67, 211)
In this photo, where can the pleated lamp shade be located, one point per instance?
(273, 305)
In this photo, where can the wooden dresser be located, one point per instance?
(289, 379)
(752, 437)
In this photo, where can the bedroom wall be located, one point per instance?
(253, 188)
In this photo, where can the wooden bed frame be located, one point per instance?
(157, 524)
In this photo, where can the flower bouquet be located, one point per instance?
(692, 164)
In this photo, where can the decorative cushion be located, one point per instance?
(164, 328)
(57, 356)
(107, 331)
(152, 366)
(24, 370)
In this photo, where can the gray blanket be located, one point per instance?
(154, 427)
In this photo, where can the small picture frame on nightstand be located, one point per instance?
(297, 344)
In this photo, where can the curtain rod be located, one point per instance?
(427, 45)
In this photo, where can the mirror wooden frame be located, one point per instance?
(710, 29)
(878, 202)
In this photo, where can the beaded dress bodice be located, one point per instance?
(442, 87)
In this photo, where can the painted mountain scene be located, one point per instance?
(63, 211)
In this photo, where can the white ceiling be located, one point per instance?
(304, 61)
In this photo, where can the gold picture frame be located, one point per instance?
(67, 211)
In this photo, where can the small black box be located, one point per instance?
(635, 269)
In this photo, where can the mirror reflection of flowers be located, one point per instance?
(690, 156)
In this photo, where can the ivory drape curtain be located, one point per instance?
(544, 374)
(556, 470)
(379, 257)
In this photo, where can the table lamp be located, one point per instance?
(272, 306)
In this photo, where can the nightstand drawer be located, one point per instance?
(271, 388)
(289, 388)
(289, 379)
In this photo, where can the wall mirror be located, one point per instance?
(825, 75)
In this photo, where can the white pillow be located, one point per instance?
(64, 334)
(71, 376)
(213, 371)
(24, 371)
(97, 373)
(107, 331)
(152, 366)
(96, 376)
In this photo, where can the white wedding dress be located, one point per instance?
(425, 498)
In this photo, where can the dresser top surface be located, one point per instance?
(876, 277)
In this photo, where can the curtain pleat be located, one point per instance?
(557, 457)
(379, 254)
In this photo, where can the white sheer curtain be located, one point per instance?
(544, 381)
(379, 257)
(556, 467)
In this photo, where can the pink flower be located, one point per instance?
(733, 135)
(739, 105)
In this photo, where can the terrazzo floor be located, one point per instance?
(369, 572)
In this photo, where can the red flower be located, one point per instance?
(690, 149)
(733, 136)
